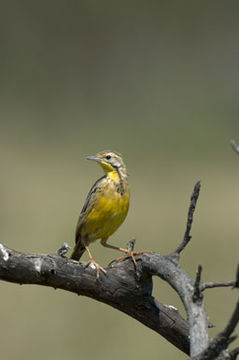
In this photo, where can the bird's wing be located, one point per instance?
(89, 203)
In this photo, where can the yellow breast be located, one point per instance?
(107, 214)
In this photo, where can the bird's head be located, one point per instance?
(110, 161)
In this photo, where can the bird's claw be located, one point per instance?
(94, 265)
(130, 254)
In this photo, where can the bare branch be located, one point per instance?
(234, 146)
(233, 353)
(211, 285)
(130, 245)
(232, 322)
(192, 206)
(184, 286)
(197, 296)
(123, 288)
(63, 249)
(129, 290)
(237, 277)
(221, 340)
(214, 284)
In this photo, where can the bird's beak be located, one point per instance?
(95, 158)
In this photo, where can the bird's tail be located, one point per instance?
(78, 250)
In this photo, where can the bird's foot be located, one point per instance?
(94, 265)
(130, 254)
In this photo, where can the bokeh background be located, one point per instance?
(157, 81)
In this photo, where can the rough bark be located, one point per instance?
(128, 288)
(123, 288)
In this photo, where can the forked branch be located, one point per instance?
(124, 287)
(129, 289)
(221, 341)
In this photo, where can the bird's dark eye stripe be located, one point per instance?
(108, 157)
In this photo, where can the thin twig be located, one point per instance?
(63, 249)
(131, 244)
(232, 322)
(237, 277)
(233, 353)
(192, 206)
(197, 296)
(210, 285)
(214, 284)
(234, 146)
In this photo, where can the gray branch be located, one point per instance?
(211, 284)
(222, 340)
(234, 146)
(123, 288)
(233, 353)
(192, 206)
(129, 289)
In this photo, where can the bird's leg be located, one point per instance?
(130, 254)
(92, 261)
(126, 251)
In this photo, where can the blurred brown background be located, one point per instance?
(157, 81)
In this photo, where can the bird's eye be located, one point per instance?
(108, 157)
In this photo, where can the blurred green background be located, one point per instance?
(157, 81)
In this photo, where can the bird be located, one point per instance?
(105, 208)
